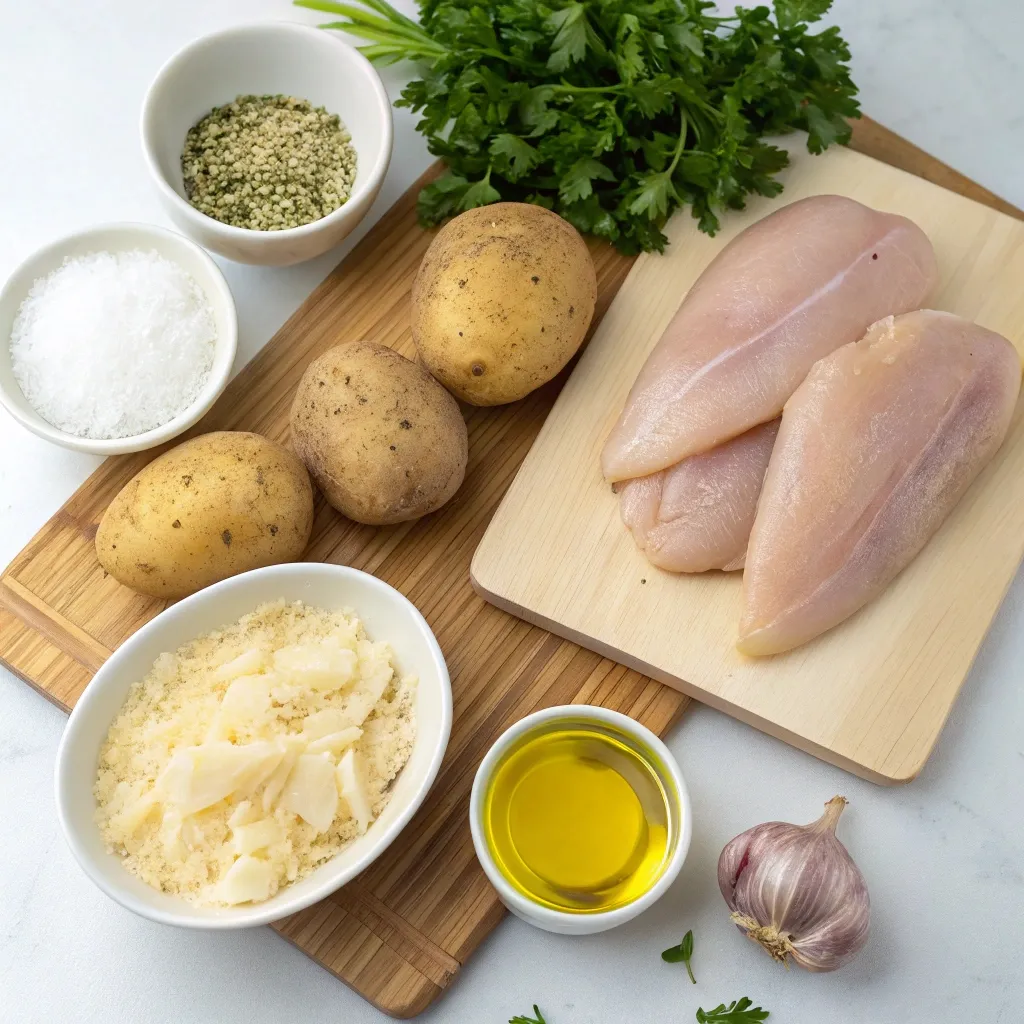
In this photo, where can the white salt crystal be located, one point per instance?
(113, 344)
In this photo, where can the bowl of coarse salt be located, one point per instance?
(115, 339)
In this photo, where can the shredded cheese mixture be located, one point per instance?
(251, 755)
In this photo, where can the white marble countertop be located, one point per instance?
(944, 856)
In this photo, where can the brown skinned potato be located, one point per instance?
(383, 440)
(214, 506)
(502, 301)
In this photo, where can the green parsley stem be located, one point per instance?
(680, 145)
(391, 24)
(412, 47)
(587, 88)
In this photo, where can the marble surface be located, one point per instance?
(944, 857)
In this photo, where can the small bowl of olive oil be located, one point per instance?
(580, 818)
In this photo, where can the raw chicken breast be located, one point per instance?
(790, 289)
(876, 447)
(697, 515)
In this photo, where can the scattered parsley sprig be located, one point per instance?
(740, 1011)
(613, 113)
(537, 1018)
(681, 953)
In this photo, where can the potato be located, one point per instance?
(382, 439)
(502, 301)
(212, 507)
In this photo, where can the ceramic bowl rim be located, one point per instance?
(547, 917)
(230, 232)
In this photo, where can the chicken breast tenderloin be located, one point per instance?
(697, 514)
(788, 290)
(875, 449)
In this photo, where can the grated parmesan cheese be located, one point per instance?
(251, 755)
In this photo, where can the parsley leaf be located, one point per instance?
(480, 193)
(612, 113)
(630, 59)
(681, 954)
(570, 42)
(740, 1011)
(652, 196)
(537, 1018)
(577, 182)
(789, 13)
(521, 156)
(452, 194)
(824, 130)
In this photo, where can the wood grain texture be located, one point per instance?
(872, 139)
(872, 694)
(400, 932)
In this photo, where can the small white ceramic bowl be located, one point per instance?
(680, 809)
(269, 58)
(387, 615)
(120, 238)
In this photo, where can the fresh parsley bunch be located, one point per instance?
(611, 112)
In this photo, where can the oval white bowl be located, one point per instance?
(387, 615)
(563, 922)
(268, 58)
(120, 238)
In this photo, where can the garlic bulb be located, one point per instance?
(796, 891)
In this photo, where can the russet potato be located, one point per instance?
(381, 438)
(214, 506)
(502, 301)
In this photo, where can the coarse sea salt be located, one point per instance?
(113, 344)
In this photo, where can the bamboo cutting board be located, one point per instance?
(872, 694)
(398, 934)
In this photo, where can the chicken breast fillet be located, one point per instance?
(697, 514)
(876, 447)
(791, 288)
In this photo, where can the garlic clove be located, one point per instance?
(795, 890)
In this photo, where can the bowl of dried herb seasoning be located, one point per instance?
(269, 142)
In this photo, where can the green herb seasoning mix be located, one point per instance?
(268, 163)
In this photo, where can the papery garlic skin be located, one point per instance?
(795, 890)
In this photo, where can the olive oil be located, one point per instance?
(577, 818)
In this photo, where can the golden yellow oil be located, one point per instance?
(577, 818)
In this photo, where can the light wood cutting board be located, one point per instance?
(400, 933)
(871, 695)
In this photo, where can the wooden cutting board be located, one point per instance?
(398, 934)
(872, 694)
